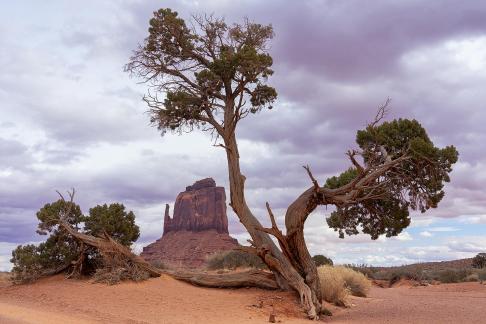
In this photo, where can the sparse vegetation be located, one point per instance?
(159, 264)
(235, 259)
(333, 287)
(64, 251)
(444, 272)
(479, 261)
(321, 260)
(338, 282)
(357, 283)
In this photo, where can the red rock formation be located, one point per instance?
(198, 228)
(201, 207)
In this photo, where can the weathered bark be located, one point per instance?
(295, 218)
(252, 278)
(278, 263)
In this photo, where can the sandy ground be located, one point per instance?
(165, 300)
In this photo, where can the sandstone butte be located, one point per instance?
(198, 228)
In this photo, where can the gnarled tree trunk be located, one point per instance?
(293, 265)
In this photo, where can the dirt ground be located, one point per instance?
(165, 300)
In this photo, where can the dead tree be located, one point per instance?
(209, 75)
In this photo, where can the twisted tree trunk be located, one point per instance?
(292, 265)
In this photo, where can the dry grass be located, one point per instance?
(355, 281)
(338, 282)
(332, 285)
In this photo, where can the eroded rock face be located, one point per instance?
(198, 228)
(201, 207)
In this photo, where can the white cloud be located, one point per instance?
(476, 219)
(426, 234)
(443, 229)
(404, 236)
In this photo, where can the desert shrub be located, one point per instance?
(26, 262)
(321, 260)
(451, 275)
(338, 282)
(234, 259)
(481, 274)
(61, 251)
(472, 277)
(408, 273)
(365, 269)
(479, 261)
(333, 286)
(159, 264)
(381, 275)
(357, 283)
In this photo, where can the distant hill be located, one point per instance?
(434, 266)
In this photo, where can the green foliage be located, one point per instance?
(233, 260)
(60, 250)
(26, 262)
(415, 183)
(321, 260)
(479, 261)
(114, 221)
(342, 179)
(229, 66)
(48, 216)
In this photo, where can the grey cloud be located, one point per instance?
(13, 154)
(334, 65)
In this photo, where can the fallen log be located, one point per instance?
(251, 278)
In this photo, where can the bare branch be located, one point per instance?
(351, 154)
(314, 181)
(272, 217)
(381, 113)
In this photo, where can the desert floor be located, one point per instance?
(165, 300)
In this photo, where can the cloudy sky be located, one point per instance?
(70, 117)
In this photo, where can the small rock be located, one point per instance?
(272, 318)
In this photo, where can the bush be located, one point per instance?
(114, 221)
(479, 261)
(321, 260)
(27, 266)
(234, 259)
(365, 269)
(62, 252)
(333, 287)
(408, 273)
(338, 282)
(355, 281)
(451, 275)
(481, 275)
(158, 264)
(472, 277)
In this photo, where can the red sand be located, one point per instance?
(165, 300)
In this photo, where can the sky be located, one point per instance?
(70, 117)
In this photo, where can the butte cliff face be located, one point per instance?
(201, 207)
(198, 228)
